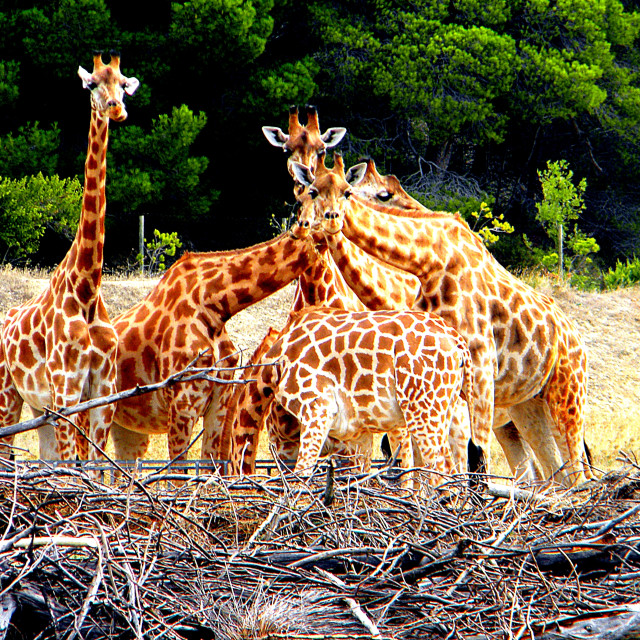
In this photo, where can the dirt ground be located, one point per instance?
(609, 323)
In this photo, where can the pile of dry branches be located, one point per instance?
(343, 556)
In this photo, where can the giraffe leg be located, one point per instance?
(82, 443)
(284, 432)
(518, 454)
(458, 437)
(566, 398)
(102, 382)
(536, 425)
(10, 408)
(216, 439)
(128, 445)
(47, 442)
(315, 423)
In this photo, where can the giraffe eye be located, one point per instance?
(313, 193)
(384, 196)
(91, 86)
(347, 194)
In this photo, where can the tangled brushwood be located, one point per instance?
(337, 557)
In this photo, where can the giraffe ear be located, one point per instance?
(302, 173)
(331, 137)
(356, 174)
(275, 136)
(131, 84)
(85, 76)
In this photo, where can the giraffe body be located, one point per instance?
(59, 348)
(528, 357)
(348, 375)
(182, 317)
(322, 284)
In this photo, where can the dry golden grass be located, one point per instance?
(609, 324)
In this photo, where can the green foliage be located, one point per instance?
(59, 34)
(30, 205)
(484, 92)
(154, 172)
(31, 151)
(625, 274)
(563, 201)
(230, 33)
(9, 75)
(451, 78)
(487, 226)
(157, 250)
(289, 83)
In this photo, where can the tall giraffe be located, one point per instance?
(529, 359)
(350, 374)
(182, 317)
(59, 348)
(388, 191)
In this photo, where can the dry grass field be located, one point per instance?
(609, 322)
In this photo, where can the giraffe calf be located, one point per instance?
(346, 375)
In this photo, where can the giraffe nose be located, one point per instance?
(330, 215)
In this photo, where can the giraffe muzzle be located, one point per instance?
(116, 111)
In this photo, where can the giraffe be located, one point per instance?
(349, 374)
(59, 348)
(182, 317)
(283, 428)
(528, 357)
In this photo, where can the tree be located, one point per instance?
(563, 201)
(32, 204)
(32, 150)
(153, 172)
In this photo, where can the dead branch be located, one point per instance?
(188, 374)
(81, 559)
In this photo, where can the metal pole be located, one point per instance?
(141, 242)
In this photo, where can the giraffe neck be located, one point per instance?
(226, 282)
(83, 262)
(378, 286)
(323, 285)
(423, 245)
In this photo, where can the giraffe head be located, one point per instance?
(108, 86)
(303, 143)
(327, 192)
(375, 189)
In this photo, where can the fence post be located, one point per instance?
(141, 242)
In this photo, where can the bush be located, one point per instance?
(624, 275)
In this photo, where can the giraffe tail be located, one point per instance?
(476, 461)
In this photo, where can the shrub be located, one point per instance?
(624, 275)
